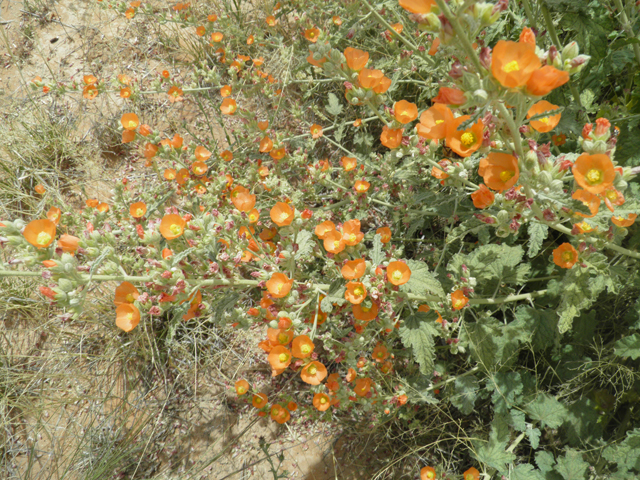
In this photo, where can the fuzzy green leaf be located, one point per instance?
(417, 333)
(526, 472)
(377, 254)
(305, 242)
(334, 107)
(547, 410)
(494, 454)
(534, 437)
(625, 454)
(628, 347)
(571, 466)
(466, 391)
(543, 323)
(537, 234)
(422, 281)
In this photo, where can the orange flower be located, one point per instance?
(356, 59)
(624, 222)
(398, 273)
(182, 176)
(292, 406)
(280, 336)
(280, 414)
(175, 94)
(513, 63)
(282, 214)
(369, 78)
(527, 36)
(324, 228)
(277, 154)
(349, 163)
(250, 40)
(279, 285)
(54, 215)
(590, 200)
(464, 142)
(316, 131)
(355, 293)
(385, 234)
(266, 145)
(259, 400)
(594, 173)
(353, 269)
(313, 373)
(417, 6)
(333, 242)
(565, 256)
(125, 92)
(40, 233)
(103, 207)
(150, 150)
(380, 353)
(312, 34)
(428, 473)
(49, 263)
(363, 386)
(471, 474)
(499, 170)
(279, 357)
(383, 85)
(92, 203)
(613, 197)
(271, 20)
(172, 226)
(195, 301)
(228, 106)
(351, 234)
(263, 125)
(199, 168)
(363, 312)
(39, 189)
(217, 37)
(129, 121)
(361, 186)
(545, 79)
(483, 197)
(545, 124)
(128, 136)
(242, 387)
(242, 199)
(226, 155)
(434, 46)
(68, 243)
(321, 401)
(202, 154)
(391, 137)
(433, 122)
(125, 293)
(90, 92)
(458, 300)
(302, 346)
(127, 317)
(89, 79)
(450, 96)
(336, 20)
(405, 112)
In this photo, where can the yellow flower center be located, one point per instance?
(365, 309)
(175, 229)
(279, 287)
(397, 275)
(358, 291)
(284, 216)
(129, 298)
(430, 475)
(352, 237)
(438, 122)
(305, 349)
(544, 120)
(336, 244)
(380, 354)
(567, 256)
(511, 67)
(620, 219)
(253, 217)
(257, 399)
(612, 195)
(43, 238)
(241, 390)
(507, 175)
(467, 139)
(458, 303)
(129, 316)
(283, 338)
(132, 124)
(323, 400)
(312, 370)
(283, 357)
(54, 216)
(594, 176)
(139, 212)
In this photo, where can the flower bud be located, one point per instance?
(503, 216)
(65, 285)
(432, 21)
(480, 96)
(569, 52)
(503, 231)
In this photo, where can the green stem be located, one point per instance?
(626, 26)
(461, 34)
(610, 246)
(529, 12)
(513, 130)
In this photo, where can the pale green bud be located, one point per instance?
(503, 216)
(65, 285)
(569, 52)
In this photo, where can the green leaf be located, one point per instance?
(579, 291)
(493, 344)
(547, 410)
(583, 424)
(628, 347)
(417, 333)
(506, 388)
(377, 254)
(571, 466)
(334, 107)
(543, 323)
(422, 282)
(537, 234)
(305, 242)
(494, 454)
(466, 391)
(534, 437)
(526, 471)
(491, 265)
(625, 454)
(545, 461)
